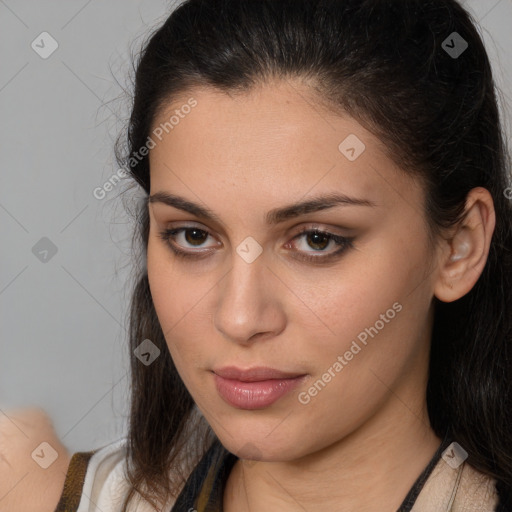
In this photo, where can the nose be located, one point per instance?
(249, 305)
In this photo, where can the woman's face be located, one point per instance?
(351, 316)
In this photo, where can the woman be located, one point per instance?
(323, 314)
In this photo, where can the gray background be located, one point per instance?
(63, 320)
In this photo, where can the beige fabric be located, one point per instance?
(457, 490)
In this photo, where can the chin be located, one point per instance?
(266, 450)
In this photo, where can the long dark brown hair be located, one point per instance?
(385, 63)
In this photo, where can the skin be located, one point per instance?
(25, 485)
(362, 441)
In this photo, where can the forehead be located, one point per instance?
(281, 116)
(274, 138)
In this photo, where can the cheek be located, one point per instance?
(347, 300)
(160, 277)
(370, 311)
(172, 289)
(374, 338)
(181, 305)
(169, 293)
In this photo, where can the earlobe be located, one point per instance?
(465, 254)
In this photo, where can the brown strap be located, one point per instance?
(74, 483)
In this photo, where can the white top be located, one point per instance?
(106, 485)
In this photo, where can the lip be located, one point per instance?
(255, 388)
(257, 373)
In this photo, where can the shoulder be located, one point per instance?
(33, 461)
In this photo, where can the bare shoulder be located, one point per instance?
(33, 461)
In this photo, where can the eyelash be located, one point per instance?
(343, 242)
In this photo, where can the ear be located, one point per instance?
(463, 256)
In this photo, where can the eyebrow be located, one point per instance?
(276, 216)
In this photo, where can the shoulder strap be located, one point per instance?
(73, 485)
(419, 484)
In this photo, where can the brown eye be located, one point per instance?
(195, 236)
(192, 237)
(319, 241)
